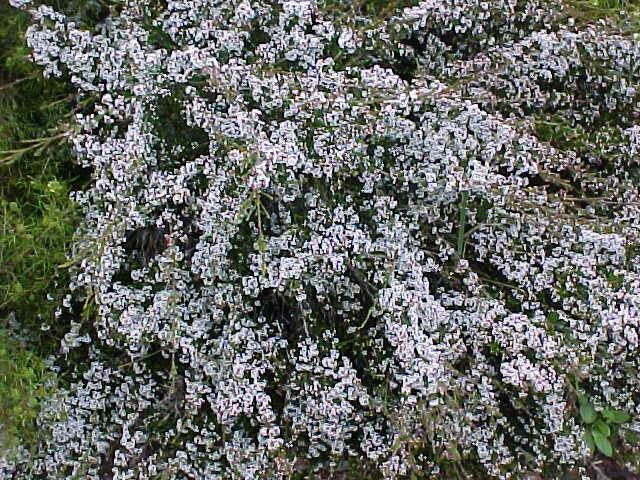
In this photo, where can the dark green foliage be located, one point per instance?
(37, 221)
(624, 14)
(23, 383)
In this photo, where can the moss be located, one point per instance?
(23, 384)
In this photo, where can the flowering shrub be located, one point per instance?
(322, 235)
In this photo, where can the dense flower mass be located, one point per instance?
(323, 237)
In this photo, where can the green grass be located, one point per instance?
(615, 4)
(624, 14)
(37, 221)
(23, 383)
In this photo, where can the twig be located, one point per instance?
(16, 82)
(7, 157)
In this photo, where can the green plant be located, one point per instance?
(625, 14)
(37, 217)
(263, 272)
(23, 383)
(601, 426)
(37, 221)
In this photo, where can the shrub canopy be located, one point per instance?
(398, 239)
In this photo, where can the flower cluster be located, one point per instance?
(314, 239)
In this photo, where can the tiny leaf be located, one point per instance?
(602, 427)
(588, 438)
(616, 416)
(587, 412)
(602, 443)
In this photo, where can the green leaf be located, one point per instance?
(602, 427)
(588, 438)
(587, 412)
(616, 416)
(602, 443)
